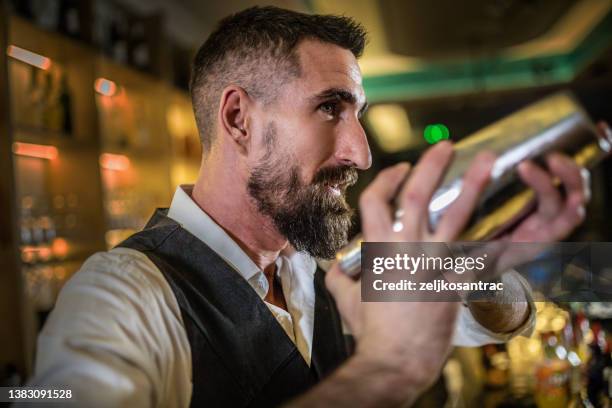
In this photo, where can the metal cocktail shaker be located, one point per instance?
(556, 123)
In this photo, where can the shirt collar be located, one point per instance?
(195, 220)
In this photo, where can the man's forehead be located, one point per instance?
(327, 66)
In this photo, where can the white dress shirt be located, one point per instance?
(116, 336)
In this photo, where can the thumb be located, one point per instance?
(337, 282)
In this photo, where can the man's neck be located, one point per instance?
(235, 212)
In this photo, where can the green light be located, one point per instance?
(435, 133)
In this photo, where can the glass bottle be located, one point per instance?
(553, 374)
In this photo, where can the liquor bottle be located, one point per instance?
(139, 48)
(497, 366)
(553, 374)
(70, 19)
(52, 115)
(597, 388)
(576, 333)
(24, 8)
(570, 341)
(26, 220)
(119, 45)
(46, 14)
(65, 101)
(583, 334)
(37, 95)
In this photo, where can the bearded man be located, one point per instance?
(219, 301)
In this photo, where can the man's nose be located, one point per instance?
(352, 148)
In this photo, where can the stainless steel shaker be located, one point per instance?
(555, 123)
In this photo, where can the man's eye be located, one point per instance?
(329, 108)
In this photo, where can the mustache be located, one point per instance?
(344, 176)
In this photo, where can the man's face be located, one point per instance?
(311, 147)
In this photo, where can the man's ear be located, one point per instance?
(233, 115)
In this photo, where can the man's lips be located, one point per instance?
(337, 188)
(337, 178)
(337, 182)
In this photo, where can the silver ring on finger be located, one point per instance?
(586, 179)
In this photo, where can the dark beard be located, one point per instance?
(311, 217)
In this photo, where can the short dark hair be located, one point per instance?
(254, 49)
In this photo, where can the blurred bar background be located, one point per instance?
(96, 130)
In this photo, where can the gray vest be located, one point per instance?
(241, 355)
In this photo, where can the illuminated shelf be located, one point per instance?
(29, 134)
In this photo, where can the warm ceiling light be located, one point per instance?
(105, 87)
(28, 57)
(35, 150)
(116, 162)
